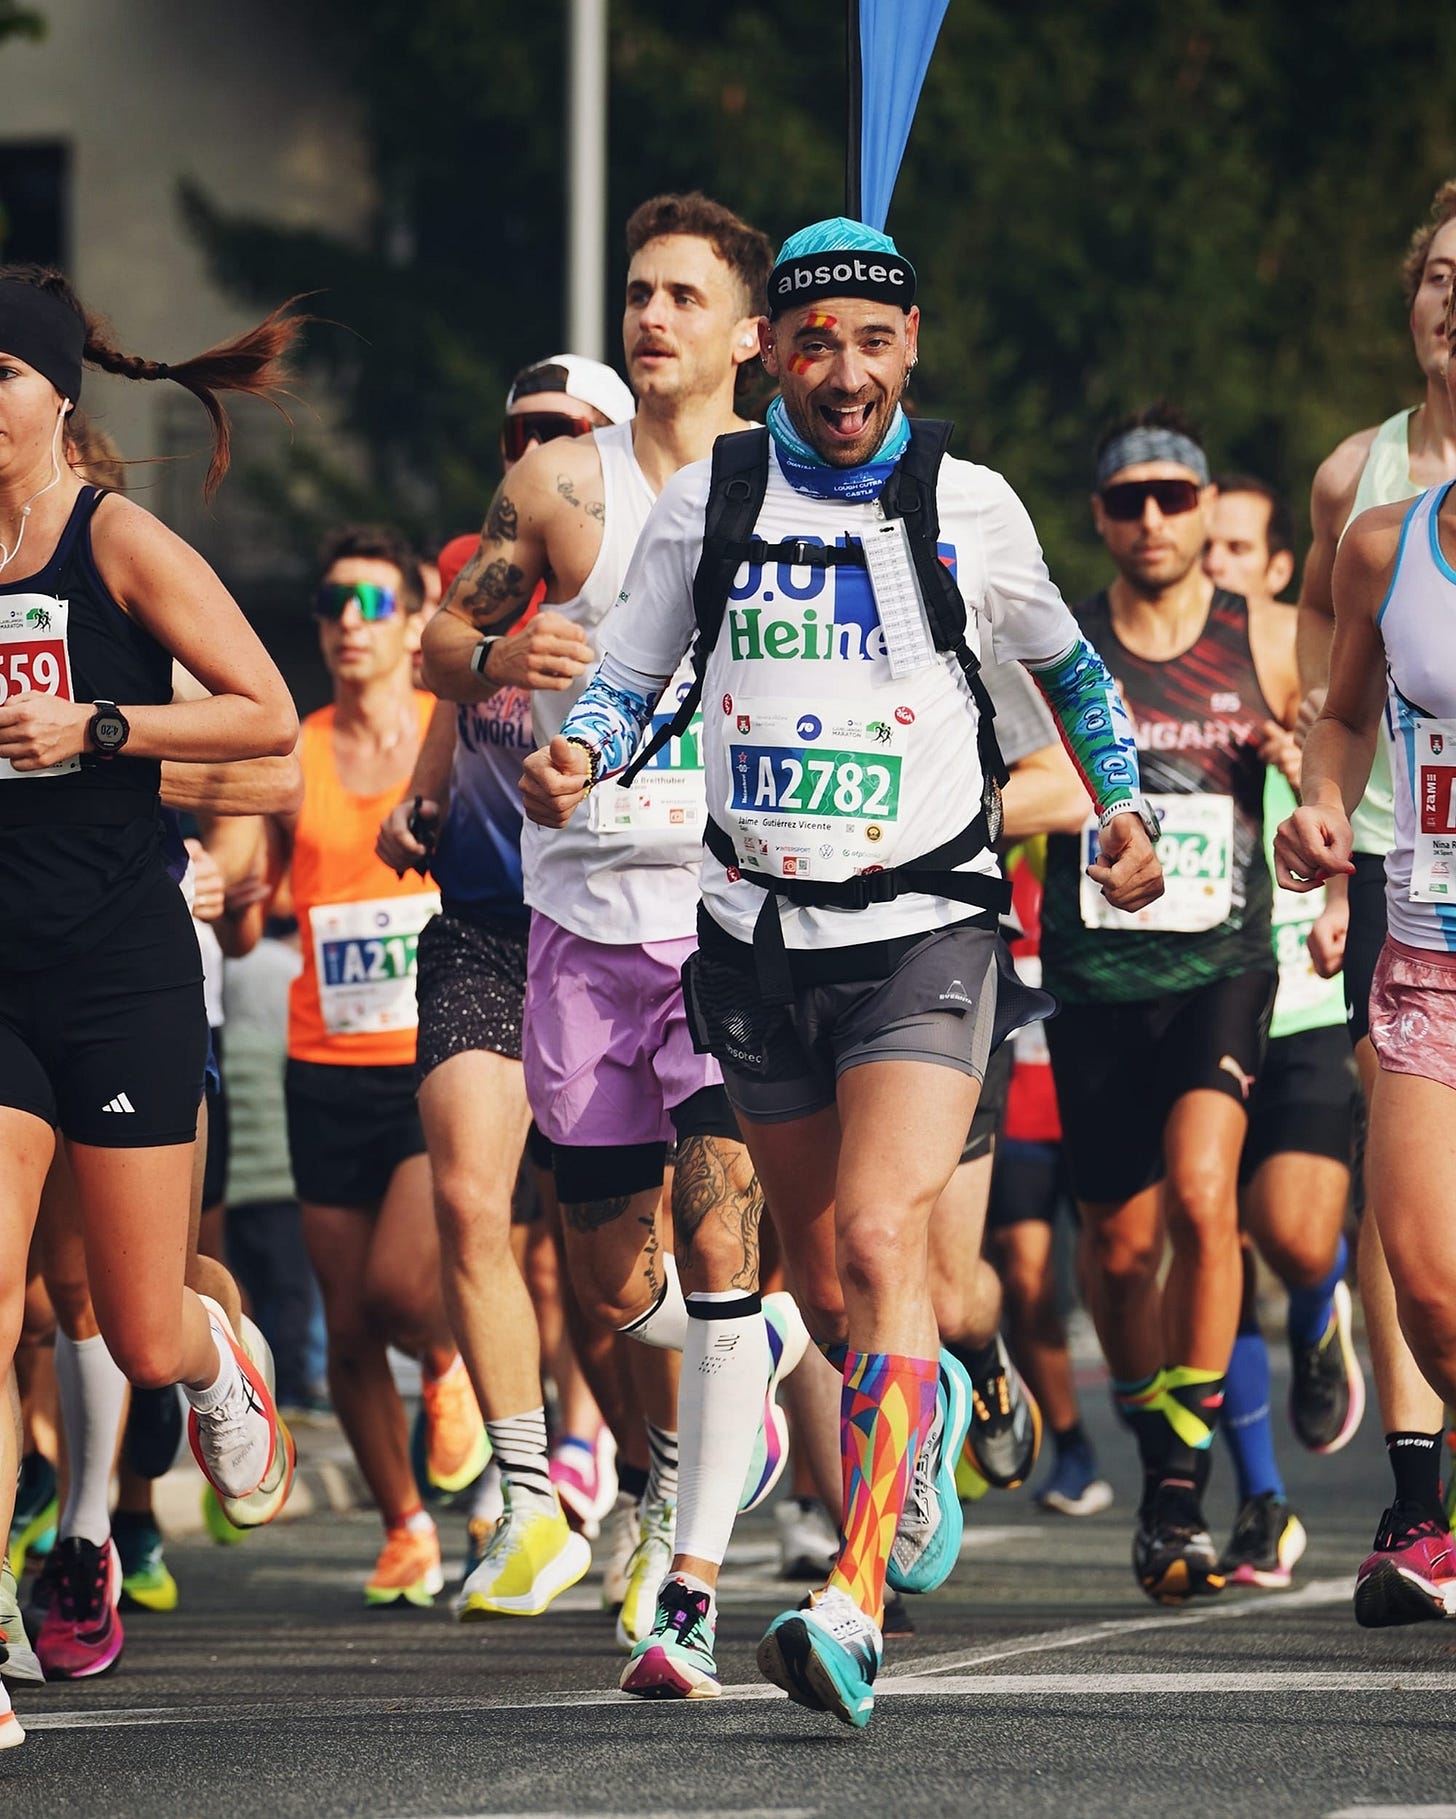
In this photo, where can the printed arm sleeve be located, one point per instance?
(614, 711)
(1093, 723)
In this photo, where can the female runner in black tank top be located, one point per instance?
(102, 1033)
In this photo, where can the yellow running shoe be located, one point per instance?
(457, 1447)
(408, 1567)
(532, 1557)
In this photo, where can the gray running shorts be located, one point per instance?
(781, 1063)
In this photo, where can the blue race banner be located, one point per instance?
(896, 38)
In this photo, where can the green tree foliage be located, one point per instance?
(1107, 202)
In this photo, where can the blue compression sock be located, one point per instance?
(1310, 1308)
(1245, 1418)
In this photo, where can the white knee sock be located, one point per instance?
(665, 1324)
(719, 1407)
(92, 1395)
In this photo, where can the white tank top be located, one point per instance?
(608, 876)
(1384, 479)
(1418, 625)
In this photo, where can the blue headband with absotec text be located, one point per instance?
(839, 258)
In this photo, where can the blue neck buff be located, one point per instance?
(808, 472)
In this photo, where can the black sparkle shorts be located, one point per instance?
(470, 982)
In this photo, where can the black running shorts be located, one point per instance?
(470, 982)
(991, 1106)
(1305, 1101)
(1364, 940)
(111, 1046)
(349, 1128)
(1119, 1069)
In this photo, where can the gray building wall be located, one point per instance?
(237, 98)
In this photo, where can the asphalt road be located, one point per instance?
(1040, 1682)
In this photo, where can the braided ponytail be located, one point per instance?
(251, 363)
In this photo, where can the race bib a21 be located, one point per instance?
(35, 659)
(365, 957)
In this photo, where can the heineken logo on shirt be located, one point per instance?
(782, 614)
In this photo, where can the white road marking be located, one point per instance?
(1394, 1812)
(927, 1676)
(1318, 1592)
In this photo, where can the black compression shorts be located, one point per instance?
(1305, 1101)
(111, 1046)
(1120, 1068)
(1364, 941)
(349, 1129)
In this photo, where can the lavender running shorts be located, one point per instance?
(605, 1045)
(1413, 1012)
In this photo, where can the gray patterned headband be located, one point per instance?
(1142, 444)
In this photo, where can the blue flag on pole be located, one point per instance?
(896, 38)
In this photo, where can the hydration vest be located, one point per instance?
(735, 498)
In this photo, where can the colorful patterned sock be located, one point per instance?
(887, 1408)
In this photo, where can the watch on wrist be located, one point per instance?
(108, 729)
(480, 656)
(1139, 806)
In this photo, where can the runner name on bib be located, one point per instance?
(1196, 854)
(666, 802)
(815, 791)
(365, 955)
(35, 659)
(1433, 864)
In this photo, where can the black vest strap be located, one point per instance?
(930, 875)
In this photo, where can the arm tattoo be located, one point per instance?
(713, 1177)
(592, 1215)
(502, 524)
(493, 593)
(594, 508)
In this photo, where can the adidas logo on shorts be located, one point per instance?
(119, 1104)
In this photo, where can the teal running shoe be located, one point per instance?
(825, 1657)
(674, 1660)
(37, 1511)
(928, 1540)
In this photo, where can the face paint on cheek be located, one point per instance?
(800, 365)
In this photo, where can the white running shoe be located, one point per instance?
(236, 1442)
(808, 1540)
(11, 1735)
(621, 1531)
(646, 1571)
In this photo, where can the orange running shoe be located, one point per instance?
(408, 1568)
(457, 1447)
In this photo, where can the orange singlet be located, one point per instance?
(353, 1005)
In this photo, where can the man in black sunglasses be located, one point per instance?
(1164, 1015)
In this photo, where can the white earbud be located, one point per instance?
(750, 341)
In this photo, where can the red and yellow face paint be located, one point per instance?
(804, 363)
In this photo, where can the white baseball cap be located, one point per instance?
(589, 380)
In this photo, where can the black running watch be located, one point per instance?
(109, 729)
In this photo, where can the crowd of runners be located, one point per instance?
(732, 933)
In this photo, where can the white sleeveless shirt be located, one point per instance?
(611, 875)
(1384, 479)
(1418, 625)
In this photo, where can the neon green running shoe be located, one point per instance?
(214, 1519)
(146, 1581)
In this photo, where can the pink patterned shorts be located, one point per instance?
(1413, 1012)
